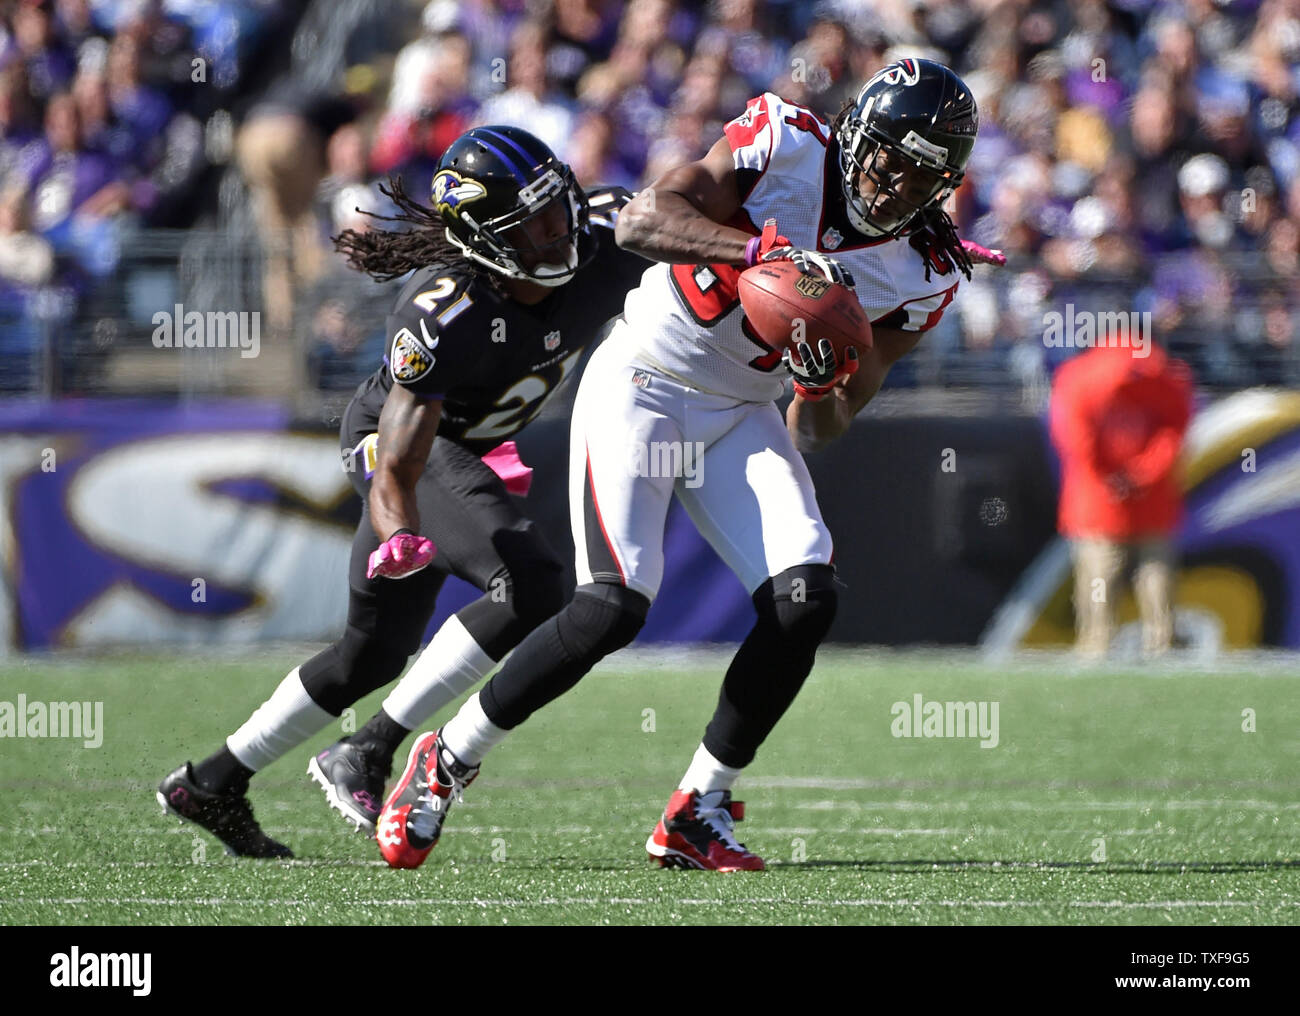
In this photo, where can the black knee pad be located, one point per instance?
(801, 602)
(535, 592)
(602, 619)
(350, 669)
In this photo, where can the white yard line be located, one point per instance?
(1014, 805)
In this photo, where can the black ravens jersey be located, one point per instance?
(494, 362)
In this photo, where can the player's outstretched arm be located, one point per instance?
(679, 218)
(814, 425)
(407, 426)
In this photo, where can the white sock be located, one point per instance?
(469, 735)
(449, 666)
(707, 774)
(280, 724)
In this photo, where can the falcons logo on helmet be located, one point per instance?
(904, 72)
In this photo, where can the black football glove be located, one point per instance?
(816, 375)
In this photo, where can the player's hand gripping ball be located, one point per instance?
(801, 313)
(400, 556)
(816, 374)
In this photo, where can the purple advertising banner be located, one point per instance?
(134, 523)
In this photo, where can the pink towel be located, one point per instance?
(504, 460)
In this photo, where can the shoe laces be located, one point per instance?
(425, 817)
(430, 807)
(458, 784)
(456, 771)
(712, 810)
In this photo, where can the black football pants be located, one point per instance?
(481, 536)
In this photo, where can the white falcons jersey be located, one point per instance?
(686, 320)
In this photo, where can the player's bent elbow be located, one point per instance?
(632, 226)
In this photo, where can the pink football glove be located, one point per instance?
(402, 554)
(982, 255)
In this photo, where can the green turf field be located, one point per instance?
(1111, 797)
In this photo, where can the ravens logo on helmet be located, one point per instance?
(512, 206)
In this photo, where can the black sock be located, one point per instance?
(222, 773)
(381, 733)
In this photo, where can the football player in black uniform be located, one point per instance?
(513, 272)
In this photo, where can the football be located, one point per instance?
(786, 306)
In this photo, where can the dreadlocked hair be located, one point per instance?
(935, 235)
(932, 234)
(387, 254)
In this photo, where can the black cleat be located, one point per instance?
(228, 817)
(352, 777)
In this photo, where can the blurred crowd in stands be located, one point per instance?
(105, 110)
(1134, 155)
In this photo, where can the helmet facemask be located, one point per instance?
(504, 244)
(910, 178)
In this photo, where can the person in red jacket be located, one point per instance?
(1118, 417)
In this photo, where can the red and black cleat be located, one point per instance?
(411, 822)
(697, 832)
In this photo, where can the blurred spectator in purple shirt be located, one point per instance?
(17, 119)
(76, 23)
(583, 35)
(63, 176)
(101, 130)
(141, 109)
(593, 153)
(739, 33)
(34, 44)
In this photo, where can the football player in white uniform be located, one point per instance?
(678, 402)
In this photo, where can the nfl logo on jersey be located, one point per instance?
(551, 341)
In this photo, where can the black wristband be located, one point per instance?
(400, 532)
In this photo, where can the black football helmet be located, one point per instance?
(494, 180)
(910, 131)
